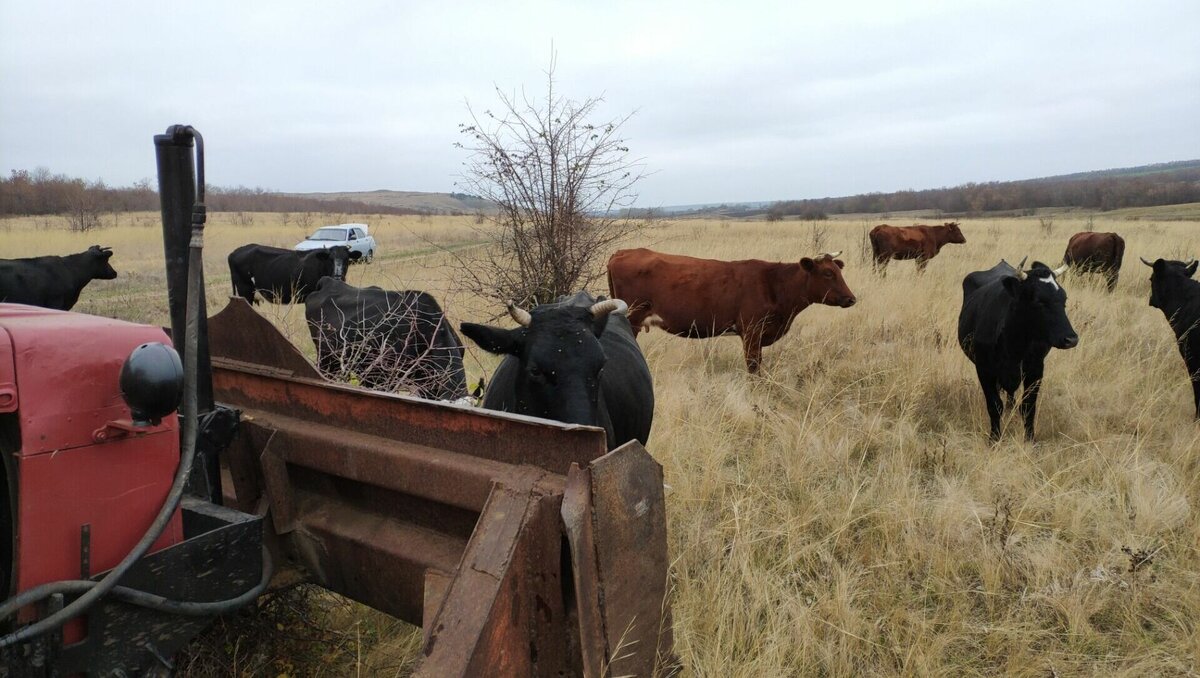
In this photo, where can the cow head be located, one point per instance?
(560, 359)
(98, 265)
(1042, 304)
(339, 257)
(1167, 278)
(825, 284)
(953, 233)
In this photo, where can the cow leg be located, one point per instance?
(921, 263)
(752, 348)
(1033, 384)
(991, 397)
(1196, 394)
(881, 265)
(1112, 279)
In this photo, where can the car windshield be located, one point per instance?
(329, 234)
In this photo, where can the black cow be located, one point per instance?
(1009, 321)
(1173, 291)
(575, 361)
(390, 340)
(53, 282)
(283, 276)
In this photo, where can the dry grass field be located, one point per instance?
(842, 513)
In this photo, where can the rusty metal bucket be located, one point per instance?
(519, 545)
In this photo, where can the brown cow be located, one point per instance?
(701, 298)
(1096, 252)
(912, 242)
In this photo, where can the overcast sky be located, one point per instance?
(734, 101)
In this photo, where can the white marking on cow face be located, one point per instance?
(1049, 280)
(652, 320)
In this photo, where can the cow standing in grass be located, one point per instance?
(53, 281)
(1096, 253)
(1010, 320)
(1177, 295)
(912, 242)
(285, 276)
(701, 298)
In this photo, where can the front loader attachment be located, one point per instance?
(520, 545)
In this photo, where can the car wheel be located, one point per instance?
(370, 257)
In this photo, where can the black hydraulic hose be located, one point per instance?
(149, 600)
(93, 591)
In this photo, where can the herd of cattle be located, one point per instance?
(577, 360)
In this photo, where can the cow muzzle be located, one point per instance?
(847, 302)
(1069, 341)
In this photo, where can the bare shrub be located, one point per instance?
(819, 233)
(1046, 223)
(304, 220)
(83, 216)
(1090, 224)
(243, 219)
(285, 218)
(561, 185)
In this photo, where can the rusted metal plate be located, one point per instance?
(629, 520)
(577, 520)
(502, 437)
(503, 614)
(255, 368)
(238, 333)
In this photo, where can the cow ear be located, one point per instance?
(496, 340)
(807, 264)
(840, 263)
(1012, 286)
(1191, 270)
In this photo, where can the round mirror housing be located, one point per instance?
(152, 383)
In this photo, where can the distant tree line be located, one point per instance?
(1163, 184)
(25, 193)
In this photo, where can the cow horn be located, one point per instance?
(1146, 262)
(1060, 270)
(1021, 269)
(603, 308)
(519, 314)
(833, 255)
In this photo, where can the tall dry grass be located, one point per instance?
(842, 513)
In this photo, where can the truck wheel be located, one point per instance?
(370, 257)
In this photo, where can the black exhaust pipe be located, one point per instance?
(180, 183)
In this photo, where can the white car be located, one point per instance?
(355, 236)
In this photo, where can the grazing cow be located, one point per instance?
(701, 298)
(53, 282)
(1009, 321)
(1173, 291)
(575, 361)
(1096, 252)
(284, 276)
(912, 242)
(390, 340)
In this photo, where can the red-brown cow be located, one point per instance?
(1096, 252)
(912, 242)
(701, 298)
